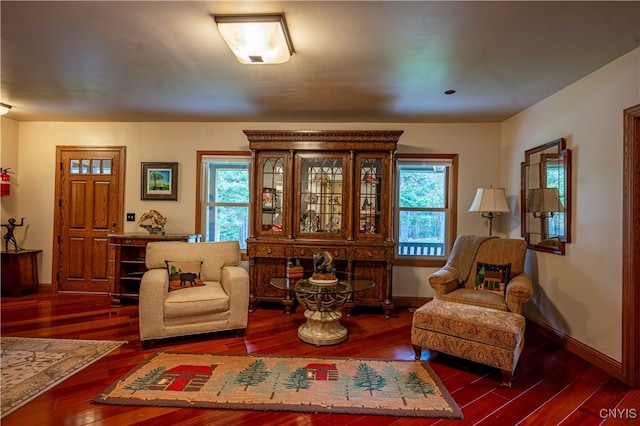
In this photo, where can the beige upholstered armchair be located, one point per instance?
(213, 298)
(456, 281)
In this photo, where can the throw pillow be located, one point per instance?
(183, 274)
(492, 278)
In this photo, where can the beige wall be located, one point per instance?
(180, 141)
(9, 160)
(580, 294)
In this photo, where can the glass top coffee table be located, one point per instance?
(323, 302)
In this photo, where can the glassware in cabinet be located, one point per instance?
(321, 195)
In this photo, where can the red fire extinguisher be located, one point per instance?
(5, 188)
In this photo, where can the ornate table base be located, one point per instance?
(322, 328)
(323, 301)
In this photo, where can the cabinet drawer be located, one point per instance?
(338, 253)
(267, 251)
(369, 253)
(131, 242)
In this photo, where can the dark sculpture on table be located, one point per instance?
(323, 267)
(9, 237)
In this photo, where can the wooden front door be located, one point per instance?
(88, 206)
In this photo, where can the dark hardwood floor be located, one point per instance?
(551, 386)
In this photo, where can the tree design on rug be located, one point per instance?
(254, 374)
(345, 387)
(419, 386)
(298, 380)
(145, 382)
(368, 378)
(275, 383)
(397, 386)
(223, 383)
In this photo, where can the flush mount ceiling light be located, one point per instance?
(4, 108)
(256, 39)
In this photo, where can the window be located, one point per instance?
(425, 213)
(224, 197)
(90, 166)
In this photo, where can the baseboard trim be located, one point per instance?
(410, 302)
(585, 352)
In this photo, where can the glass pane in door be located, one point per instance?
(272, 194)
(370, 180)
(321, 195)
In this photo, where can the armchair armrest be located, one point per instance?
(235, 282)
(519, 290)
(153, 290)
(444, 281)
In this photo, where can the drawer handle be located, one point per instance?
(370, 254)
(127, 241)
(301, 252)
(269, 251)
(335, 253)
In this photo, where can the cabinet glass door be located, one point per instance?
(370, 196)
(272, 194)
(321, 195)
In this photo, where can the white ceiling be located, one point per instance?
(383, 61)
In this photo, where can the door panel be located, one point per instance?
(75, 268)
(101, 191)
(77, 205)
(100, 251)
(89, 205)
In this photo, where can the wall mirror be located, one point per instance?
(545, 197)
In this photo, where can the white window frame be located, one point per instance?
(450, 208)
(203, 202)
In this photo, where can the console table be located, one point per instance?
(127, 267)
(19, 271)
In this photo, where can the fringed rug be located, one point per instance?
(284, 383)
(30, 367)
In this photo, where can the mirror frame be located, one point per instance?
(534, 157)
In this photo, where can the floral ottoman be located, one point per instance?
(479, 334)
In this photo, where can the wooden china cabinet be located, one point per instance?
(322, 191)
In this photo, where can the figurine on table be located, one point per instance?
(323, 266)
(9, 237)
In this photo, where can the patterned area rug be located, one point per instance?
(30, 367)
(283, 383)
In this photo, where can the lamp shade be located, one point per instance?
(490, 200)
(544, 200)
(256, 39)
(4, 108)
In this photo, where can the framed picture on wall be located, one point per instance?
(159, 181)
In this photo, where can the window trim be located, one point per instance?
(200, 188)
(452, 201)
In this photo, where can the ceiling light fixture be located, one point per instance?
(4, 108)
(256, 39)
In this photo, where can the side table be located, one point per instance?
(19, 271)
(323, 302)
